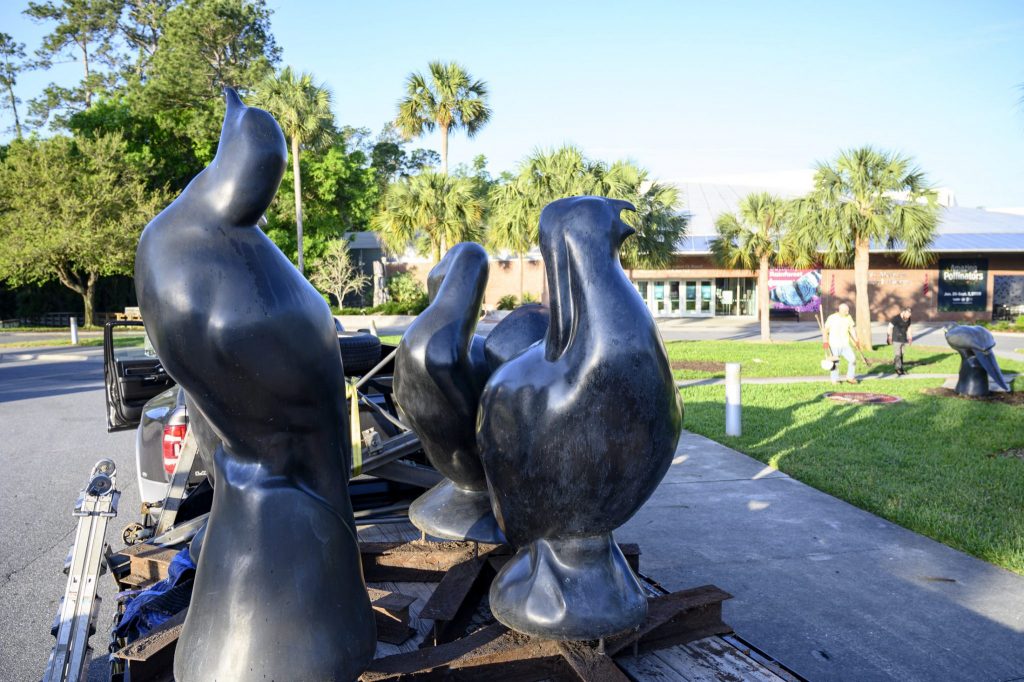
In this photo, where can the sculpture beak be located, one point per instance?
(232, 99)
(987, 360)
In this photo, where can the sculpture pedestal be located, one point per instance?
(566, 589)
(451, 513)
(973, 380)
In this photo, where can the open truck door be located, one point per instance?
(132, 373)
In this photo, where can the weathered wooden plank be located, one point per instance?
(676, 618)
(421, 627)
(149, 561)
(649, 668)
(166, 634)
(727, 660)
(589, 665)
(415, 561)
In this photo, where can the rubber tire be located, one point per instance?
(360, 352)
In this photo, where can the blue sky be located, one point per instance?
(689, 90)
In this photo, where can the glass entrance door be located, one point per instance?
(674, 297)
(698, 297)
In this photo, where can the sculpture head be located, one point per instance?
(465, 262)
(577, 233)
(586, 222)
(250, 139)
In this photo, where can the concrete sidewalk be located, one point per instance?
(818, 379)
(829, 590)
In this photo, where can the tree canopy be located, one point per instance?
(303, 110)
(548, 175)
(430, 211)
(72, 210)
(447, 98)
(867, 196)
(12, 63)
(756, 238)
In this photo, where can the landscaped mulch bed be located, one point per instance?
(858, 397)
(1005, 398)
(699, 365)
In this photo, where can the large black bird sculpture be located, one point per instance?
(576, 433)
(279, 592)
(440, 370)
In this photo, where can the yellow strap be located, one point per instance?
(353, 420)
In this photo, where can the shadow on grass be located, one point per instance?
(925, 463)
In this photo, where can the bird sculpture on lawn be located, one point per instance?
(976, 346)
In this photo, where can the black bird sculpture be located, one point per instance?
(976, 346)
(440, 371)
(279, 591)
(576, 433)
(520, 329)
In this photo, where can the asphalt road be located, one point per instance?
(52, 412)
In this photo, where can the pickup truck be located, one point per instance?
(140, 395)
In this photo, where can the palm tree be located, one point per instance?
(449, 100)
(429, 210)
(509, 226)
(548, 175)
(659, 224)
(755, 240)
(868, 195)
(303, 109)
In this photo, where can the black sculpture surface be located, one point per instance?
(576, 433)
(279, 592)
(520, 329)
(977, 360)
(440, 371)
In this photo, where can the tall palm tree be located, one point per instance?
(755, 240)
(303, 109)
(448, 98)
(868, 195)
(429, 210)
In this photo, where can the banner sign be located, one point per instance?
(963, 285)
(790, 289)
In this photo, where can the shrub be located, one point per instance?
(1019, 322)
(507, 302)
(529, 298)
(407, 293)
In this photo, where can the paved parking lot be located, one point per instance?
(54, 431)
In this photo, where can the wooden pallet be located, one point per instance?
(433, 621)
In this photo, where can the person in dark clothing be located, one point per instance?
(900, 337)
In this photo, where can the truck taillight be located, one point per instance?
(174, 436)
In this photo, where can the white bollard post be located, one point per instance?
(733, 425)
(74, 330)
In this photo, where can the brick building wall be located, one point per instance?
(502, 280)
(891, 286)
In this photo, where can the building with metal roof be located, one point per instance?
(978, 272)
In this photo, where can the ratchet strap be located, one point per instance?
(352, 394)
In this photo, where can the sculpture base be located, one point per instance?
(449, 512)
(972, 381)
(568, 589)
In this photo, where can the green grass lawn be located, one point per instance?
(120, 341)
(704, 359)
(949, 468)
